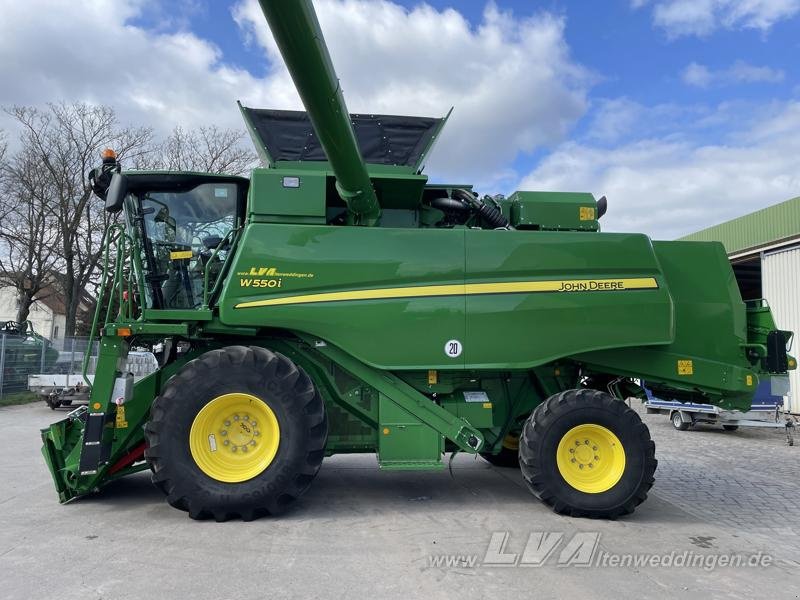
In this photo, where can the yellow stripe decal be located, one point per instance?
(469, 289)
(180, 254)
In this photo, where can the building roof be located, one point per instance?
(53, 298)
(765, 227)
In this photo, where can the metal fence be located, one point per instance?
(30, 359)
(31, 364)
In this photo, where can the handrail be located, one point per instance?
(206, 269)
(115, 235)
(107, 239)
(119, 277)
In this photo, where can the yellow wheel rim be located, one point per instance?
(590, 458)
(511, 442)
(234, 437)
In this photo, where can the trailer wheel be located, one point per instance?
(52, 401)
(237, 432)
(586, 454)
(677, 421)
(508, 455)
(730, 427)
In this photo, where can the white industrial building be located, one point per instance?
(764, 249)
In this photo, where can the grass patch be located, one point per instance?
(12, 398)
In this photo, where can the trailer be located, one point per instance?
(765, 411)
(60, 389)
(69, 389)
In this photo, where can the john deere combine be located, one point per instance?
(336, 302)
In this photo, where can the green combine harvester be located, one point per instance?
(336, 302)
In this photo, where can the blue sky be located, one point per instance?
(683, 112)
(634, 58)
(617, 41)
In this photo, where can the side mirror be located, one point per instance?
(117, 190)
(602, 207)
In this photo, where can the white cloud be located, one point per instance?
(616, 119)
(697, 75)
(739, 72)
(702, 17)
(52, 50)
(669, 186)
(512, 81)
(613, 118)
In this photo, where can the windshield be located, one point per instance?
(182, 231)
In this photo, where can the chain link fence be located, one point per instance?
(28, 355)
(33, 365)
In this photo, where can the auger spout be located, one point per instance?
(299, 37)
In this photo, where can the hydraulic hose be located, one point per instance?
(488, 213)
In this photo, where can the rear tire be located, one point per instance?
(677, 421)
(292, 450)
(616, 463)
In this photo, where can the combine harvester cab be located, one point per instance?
(336, 302)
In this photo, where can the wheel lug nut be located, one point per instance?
(227, 423)
(591, 466)
(597, 458)
(577, 443)
(253, 423)
(244, 448)
(572, 460)
(580, 466)
(586, 442)
(256, 432)
(236, 418)
(246, 418)
(253, 443)
(233, 449)
(594, 448)
(223, 432)
(226, 442)
(572, 450)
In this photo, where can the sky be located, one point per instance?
(684, 113)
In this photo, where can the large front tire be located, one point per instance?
(238, 432)
(586, 454)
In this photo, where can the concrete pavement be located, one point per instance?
(361, 533)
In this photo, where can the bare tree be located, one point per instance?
(67, 139)
(205, 149)
(29, 236)
(52, 225)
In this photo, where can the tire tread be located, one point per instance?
(544, 416)
(260, 365)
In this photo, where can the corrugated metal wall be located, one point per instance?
(772, 224)
(780, 272)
